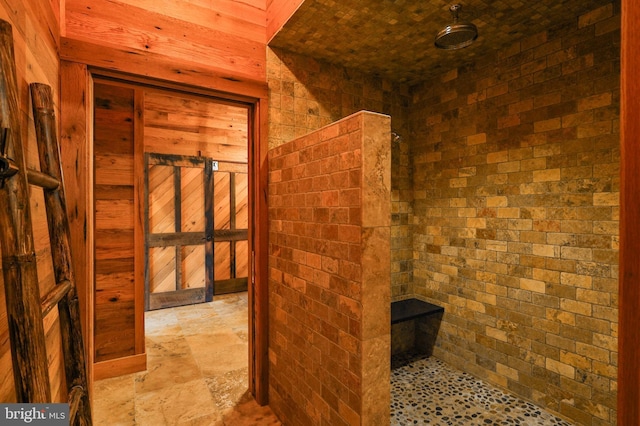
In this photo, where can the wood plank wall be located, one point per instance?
(114, 222)
(36, 42)
(219, 45)
(195, 126)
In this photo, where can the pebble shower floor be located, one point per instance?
(425, 390)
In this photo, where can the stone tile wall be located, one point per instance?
(516, 204)
(329, 274)
(305, 94)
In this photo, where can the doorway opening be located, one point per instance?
(175, 195)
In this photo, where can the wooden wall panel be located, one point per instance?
(36, 43)
(114, 222)
(75, 132)
(195, 126)
(224, 35)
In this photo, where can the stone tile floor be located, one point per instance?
(428, 391)
(197, 372)
(197, 375)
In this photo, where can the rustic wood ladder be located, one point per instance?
(25, 309)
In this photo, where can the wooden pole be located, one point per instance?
(68, 307)
(26, 329)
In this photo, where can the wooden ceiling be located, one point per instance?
(395, 38)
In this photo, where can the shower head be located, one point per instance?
(457, 35)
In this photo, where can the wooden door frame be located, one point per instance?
(629, 278)
(76, 129)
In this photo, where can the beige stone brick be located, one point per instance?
(605, 341)
(561, 316)
(498, 157)
(496, 333)
(576, 307)
(532, 285)
(546, 275)
(606, 227)
(575, 280)
(576, 253)
(546, 250)
(476, 222)
(458, 202)
(546, 175)
(560, 342)
(575, 360)
(606, 199)
(594, 129)
(477, 139)
(497, 201)
(560, 368)
(539, 163)
(508, 212)
(466, 212)
(506, 371)
(547, 125)
(509, 167)
(606, 313)
(458, 182)
(593, 352)
(533, 237)
(595, 101)
(521, 224)
(522, 106)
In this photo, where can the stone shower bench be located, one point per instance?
(414, 326)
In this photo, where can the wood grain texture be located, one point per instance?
(629, 287)
(258, 249)
(138, 227)
(114, 220)
(173, 32)
(196, 126)
(35, 43)
(31, 375)
(157, 66)
(75, 131)
(217, 45)
(68, 306)
(120, 366)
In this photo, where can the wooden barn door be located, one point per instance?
(179, 230)
(196, 227)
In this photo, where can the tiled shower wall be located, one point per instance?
(516, 202)
(329, 274)
(305, 94)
